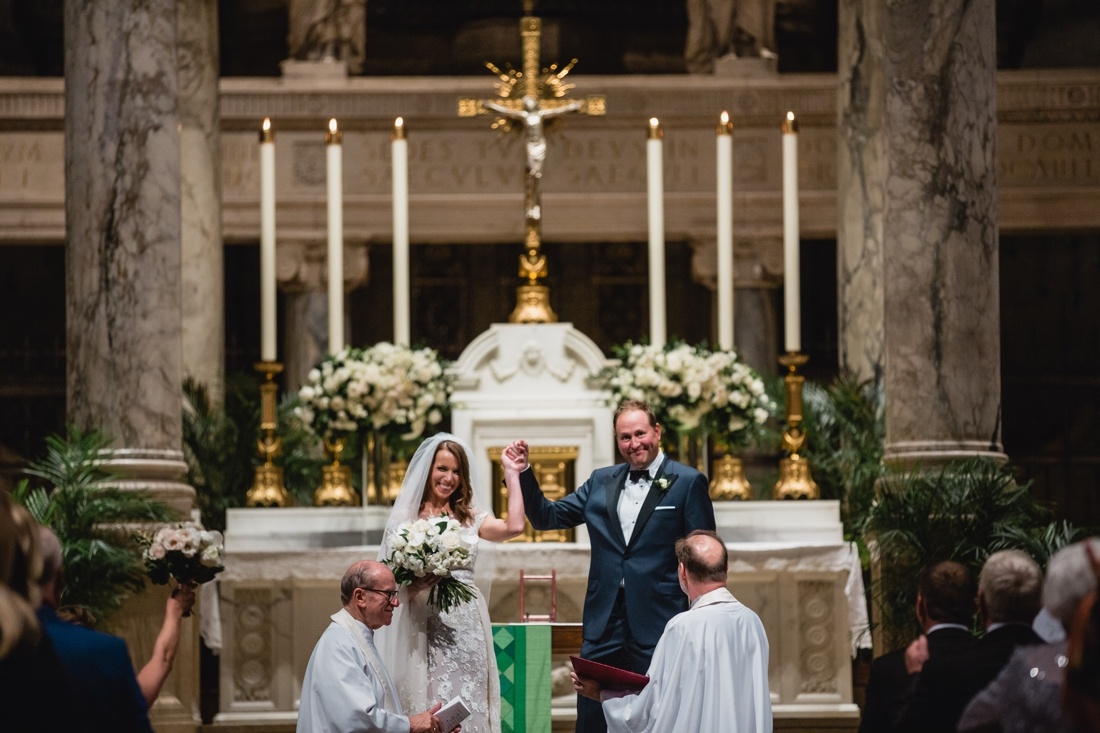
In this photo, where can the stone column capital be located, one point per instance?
(301, 265)
(757, 261)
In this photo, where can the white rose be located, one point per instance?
(210, 557)
(449, 541)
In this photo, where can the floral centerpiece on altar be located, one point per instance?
(331, 402)
(692, 390)
(408, 392)
(391, 390)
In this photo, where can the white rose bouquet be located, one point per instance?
(433, 546)
(186, 552)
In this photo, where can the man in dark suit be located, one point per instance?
(97, 665)
(945, 608)
(1009, 596)
(634, 513)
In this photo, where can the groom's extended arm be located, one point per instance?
(545, 514)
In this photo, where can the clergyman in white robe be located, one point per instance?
(346, 688)
(709, 673)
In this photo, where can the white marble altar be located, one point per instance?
(283, 568)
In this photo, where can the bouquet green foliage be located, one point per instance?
(424, 547)
(692, 389)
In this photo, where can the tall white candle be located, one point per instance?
(656, 199)
(267, 242)
(725, 232)
(792, 315)
(400, 176)
(335, 189)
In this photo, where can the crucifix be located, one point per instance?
(525, 100)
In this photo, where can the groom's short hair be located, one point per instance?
(628, 405)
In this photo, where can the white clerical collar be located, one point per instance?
(937, 627)
(718, 595)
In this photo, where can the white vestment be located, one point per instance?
(346, 689)
(709, 673)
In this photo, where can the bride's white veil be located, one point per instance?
(403, 644)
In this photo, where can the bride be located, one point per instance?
(435, 655)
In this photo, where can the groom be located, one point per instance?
(634, 513)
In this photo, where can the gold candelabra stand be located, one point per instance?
(268, 489)
(795, 480)
(336, 488)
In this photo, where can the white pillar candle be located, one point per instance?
(792, 317)
(725, 232)
(335, 189)
(656, 198)
(400, 176)
(267, 242)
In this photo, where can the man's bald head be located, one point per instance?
(704, 556)
(362, 574)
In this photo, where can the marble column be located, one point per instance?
(940, 259)
(861, 181)
(203, 269)
(122, 214)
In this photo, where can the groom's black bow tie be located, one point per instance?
(638, 475)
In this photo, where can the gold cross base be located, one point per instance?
(533, 305)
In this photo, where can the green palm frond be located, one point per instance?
(75, 497)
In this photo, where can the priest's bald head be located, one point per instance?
(704, 563)
(369, 593)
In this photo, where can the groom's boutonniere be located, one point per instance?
(664, 482)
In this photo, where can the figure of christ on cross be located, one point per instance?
(531, 114)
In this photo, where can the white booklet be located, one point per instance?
(451, 714)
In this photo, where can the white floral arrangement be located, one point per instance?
(331, 401)
(186, 552)
(424, 547)
(395, 391)
(692, 389)
(409, 391)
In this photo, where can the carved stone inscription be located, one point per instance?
(1051, 155)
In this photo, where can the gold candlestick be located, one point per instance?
(336, 488)
(267, 486)
(795, 480)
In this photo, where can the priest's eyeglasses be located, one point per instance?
(389, 594)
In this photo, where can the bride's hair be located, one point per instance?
(459, 500)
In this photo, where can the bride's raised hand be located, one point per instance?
(514, 457)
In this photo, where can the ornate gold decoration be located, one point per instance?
(795, 480)
(533, 305)
(729, 482)
(267, 485)
(526, 99)
(336, 488)
(554, 467)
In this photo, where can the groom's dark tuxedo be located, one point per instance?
(644, 568)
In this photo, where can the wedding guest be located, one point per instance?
(710, 668)
(35, 694)
(1026, 695)
(1009, 592)
(347, 689)
(152, 676)
(97, 665)
(945, 607)
(434, 653)
(634, 512)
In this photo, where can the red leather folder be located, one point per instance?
(610, 678)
